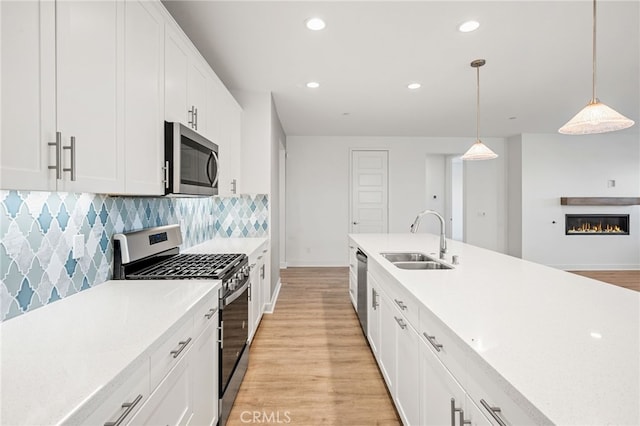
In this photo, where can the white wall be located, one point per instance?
(514, 196)
(278, 139)
(555, 166)
(435, 194)
(318, 192)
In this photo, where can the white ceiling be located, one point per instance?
(538, 57)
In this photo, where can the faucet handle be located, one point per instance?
(454, 259)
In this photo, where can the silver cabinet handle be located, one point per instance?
(374, 299)
(221, 328)
(460, 412)
(250, 286)
(166, 174)
(210, 314)
(351, 247)
(58, 145)
(265, 250)
(234, 184)
(401, 323)
(72, 148)
(401, 304)
(129, 407)
(195, 113)
(494, 412)
(183, 345)
(262, 271)
(432, 340)
(191, 112)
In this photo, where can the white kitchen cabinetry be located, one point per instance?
(185, 81)
(399, 346)
(373, 314)
(144, 98)
(442, 399)
(186, 366)
(229, 142)
(353, 276)
(88, 75)
(28, 95)
(257, 266)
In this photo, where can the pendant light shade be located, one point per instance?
(596, 117)
(478, 150)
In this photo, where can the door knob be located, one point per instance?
(355, 223)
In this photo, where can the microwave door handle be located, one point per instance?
(217, 163)
(207, 167)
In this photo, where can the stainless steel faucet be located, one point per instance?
(416, 223)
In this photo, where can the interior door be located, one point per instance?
(369, 191)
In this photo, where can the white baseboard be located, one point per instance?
(270, 307)
(283, 265)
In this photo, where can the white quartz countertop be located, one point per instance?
(568, 344)
(55, 358)
(228, 245)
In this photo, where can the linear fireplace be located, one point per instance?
(597, 224)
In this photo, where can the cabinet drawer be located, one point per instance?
(204, 315)
(134, 391)
(399, 296)
(162, 359)
(450, 353)
(484, 385)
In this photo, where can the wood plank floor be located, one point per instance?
(309, 362)
(626, 279)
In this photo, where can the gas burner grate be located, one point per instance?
(190, 266)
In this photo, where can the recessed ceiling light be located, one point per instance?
(313, 85)
(414, 86)
(467, 27)
(315, 24)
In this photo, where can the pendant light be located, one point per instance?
(596, 117)
(478, 150)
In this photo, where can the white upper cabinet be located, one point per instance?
(89, 43)
(144, 98)
(229, 144)
(186, 81)
(28, 95)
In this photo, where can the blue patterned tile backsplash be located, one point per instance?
(37, 230)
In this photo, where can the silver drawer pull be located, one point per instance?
(432, 340)
(401, 304)
(129, 406)
(460, 412)
(401, 323)
(265, 250)
(183, 345)
(210, 314)
(494, 412)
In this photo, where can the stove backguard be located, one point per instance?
(597, 224)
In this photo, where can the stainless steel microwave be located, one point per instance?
(191, 162)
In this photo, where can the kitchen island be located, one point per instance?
(564, 349)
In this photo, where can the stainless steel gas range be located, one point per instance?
(154, 253)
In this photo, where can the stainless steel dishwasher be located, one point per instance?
(362, 289)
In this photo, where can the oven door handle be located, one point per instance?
(229, 299)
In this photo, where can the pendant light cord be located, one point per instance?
(593, 84)
(478, 104)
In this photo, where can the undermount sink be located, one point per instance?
(414, 260)
(406, 257)
(428, 264)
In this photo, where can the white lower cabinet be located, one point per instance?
(260, 286)
(442, 400)
(205, 396)
(373, 314)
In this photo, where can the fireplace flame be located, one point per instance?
(588, 227)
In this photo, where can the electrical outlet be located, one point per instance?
(78, 246)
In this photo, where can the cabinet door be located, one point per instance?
(175, 77)
(373, 314)
(230, 142)
(388, 342)
(438, 391)
(197, 94)
(171, 402)
(144, 98)
(28, 95)
(205, 377)
(89, 40)
(408, 382)
(265, 277)
(254, 278)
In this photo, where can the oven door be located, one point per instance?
(192, 162)
(234, 324)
